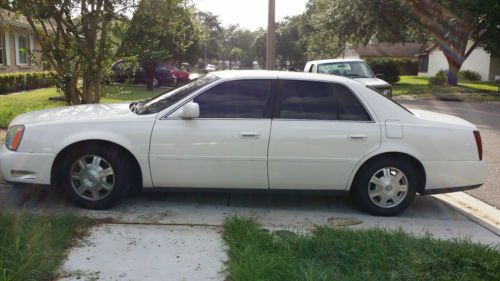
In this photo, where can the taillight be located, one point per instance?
(479, 144)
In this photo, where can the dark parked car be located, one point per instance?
(165, 74)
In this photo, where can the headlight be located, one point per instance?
(14, 136)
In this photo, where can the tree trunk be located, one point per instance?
(149, 73)
(453, 71)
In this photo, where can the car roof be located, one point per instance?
(267, 74)
(333, 61)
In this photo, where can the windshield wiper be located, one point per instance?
(356, 75)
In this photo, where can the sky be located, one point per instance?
(250, 14)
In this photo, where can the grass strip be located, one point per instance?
(33, 247)
(347, 254)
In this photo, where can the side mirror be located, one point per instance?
(380, 76)
(190, 110)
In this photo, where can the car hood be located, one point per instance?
(442, 118)
(87, 112)
(374, 82)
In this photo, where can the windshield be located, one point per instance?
(351, 69)
(161, 102)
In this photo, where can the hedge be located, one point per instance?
(389, 68)
(21, 81)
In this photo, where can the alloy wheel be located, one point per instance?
(388, 187)
(92, 177)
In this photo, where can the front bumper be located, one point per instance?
(24, 167)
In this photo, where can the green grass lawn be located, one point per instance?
(346, 254)
(15, 104)
(415, 85)
(32, 247)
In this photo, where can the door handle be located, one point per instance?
(249, 134)
(357, 137)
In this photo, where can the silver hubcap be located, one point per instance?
(388, 187)
(92, 177)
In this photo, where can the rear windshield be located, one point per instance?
(398, 104)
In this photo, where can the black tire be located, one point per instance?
(113, 157)
(172, 82)
(362, 186)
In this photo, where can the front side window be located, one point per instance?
(21, 49)
(319, 101)
(235, 99)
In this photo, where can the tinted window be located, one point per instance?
(307, 100)
(319, 101)
(349, 107)
(235, 99)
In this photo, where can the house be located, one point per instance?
(16, 44)
(432, 60)
(405, 53)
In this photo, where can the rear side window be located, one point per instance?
(235, 99)
(349, 107)
(319, 101)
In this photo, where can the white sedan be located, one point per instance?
(248, 130)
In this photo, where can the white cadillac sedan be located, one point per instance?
(248, 130)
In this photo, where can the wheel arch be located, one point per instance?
(421, 175)
(55, 169)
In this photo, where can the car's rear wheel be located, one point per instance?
(385, 187)
(95, 176)
(172, 81)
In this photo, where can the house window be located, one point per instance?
(21, 49)
(423, 63)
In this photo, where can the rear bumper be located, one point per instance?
(450, 176)
(450, 189)
(23, 167)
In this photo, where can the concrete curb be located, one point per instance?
(483, 214)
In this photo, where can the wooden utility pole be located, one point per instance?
(271, 37)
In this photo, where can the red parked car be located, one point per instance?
(176, 73)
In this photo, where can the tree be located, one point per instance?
(289, 41)
(212, 33)
(235, 55)
(160, 31)
(74, 41)
(449, 24)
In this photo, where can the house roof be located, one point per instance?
(398, 50)
(13, 19)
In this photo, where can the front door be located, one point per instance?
(226, 147)
(320, 132)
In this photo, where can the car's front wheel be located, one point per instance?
(385, 187)
(95, 176)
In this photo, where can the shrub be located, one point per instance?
(21, 81)
(470, 75)
(440, 78)
(389, 68)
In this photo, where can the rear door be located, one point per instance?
(319, 133)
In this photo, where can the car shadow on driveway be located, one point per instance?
(275, 210)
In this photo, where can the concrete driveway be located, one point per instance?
(486, 116)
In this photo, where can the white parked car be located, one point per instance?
(248, 130)
(352, 68)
